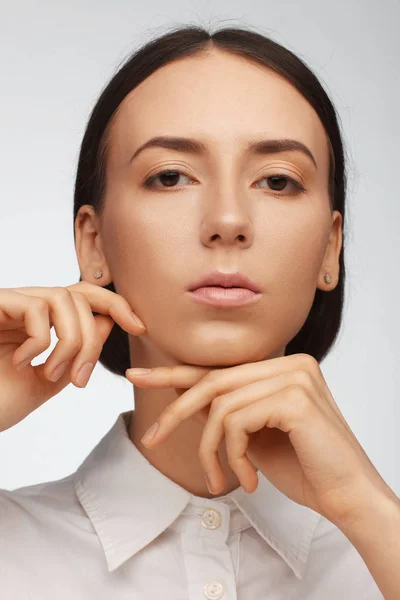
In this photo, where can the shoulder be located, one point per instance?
(41, 525)
(48, 504)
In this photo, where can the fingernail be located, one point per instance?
(150, 433)
(58, 371)
(23, 364)
(138, 371)
(138, 321)
(208, 484)
(84, 373)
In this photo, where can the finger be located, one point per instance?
(112, 304)
(207, 392)
(290, 411)
(223, 406)
(91, 344)
(212, 437)
(66, 321)
(179, 376)
(31, 314)
(101, 300)
(48, 388)
(303, 367)
(237, 429)
(227, 377)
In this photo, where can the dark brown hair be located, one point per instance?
(322, 325)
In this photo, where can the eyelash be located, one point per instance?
(148, 183)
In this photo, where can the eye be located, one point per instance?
(169, 178)
(279, 180)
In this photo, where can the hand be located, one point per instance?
(277, 416)
(26, 316)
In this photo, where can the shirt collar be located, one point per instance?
(126, 515)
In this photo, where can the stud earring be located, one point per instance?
(327, 278)
(97, 273)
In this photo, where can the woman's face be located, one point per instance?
(222, 212)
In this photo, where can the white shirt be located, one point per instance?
(119, 529)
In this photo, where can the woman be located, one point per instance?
(205, 154)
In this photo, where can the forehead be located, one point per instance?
(221, 98)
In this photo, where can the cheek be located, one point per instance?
(295, 265)
(299, 258)
(298, 237)
(140, 250)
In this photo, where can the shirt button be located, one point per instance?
(211, 518)
(214, 590)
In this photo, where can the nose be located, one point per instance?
(226, 219)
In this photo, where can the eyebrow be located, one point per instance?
(262, 147)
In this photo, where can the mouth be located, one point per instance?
(218, 279)
(217, 295)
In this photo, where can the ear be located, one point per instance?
(88, 246)
(330, 264)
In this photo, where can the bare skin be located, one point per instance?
(222, 212)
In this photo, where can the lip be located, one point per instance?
(226, 280)
(224, 297)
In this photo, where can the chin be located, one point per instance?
(218, 353)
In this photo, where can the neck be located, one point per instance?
(177, 457)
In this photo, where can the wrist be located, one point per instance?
(378, 510)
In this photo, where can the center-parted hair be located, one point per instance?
(322, 325)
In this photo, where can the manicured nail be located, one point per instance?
(138, 321)
(139, 371)
(150, 434)
(23, 364)
(208, 484)
(84, 373)
(58, 371)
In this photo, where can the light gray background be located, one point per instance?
(56, 58)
